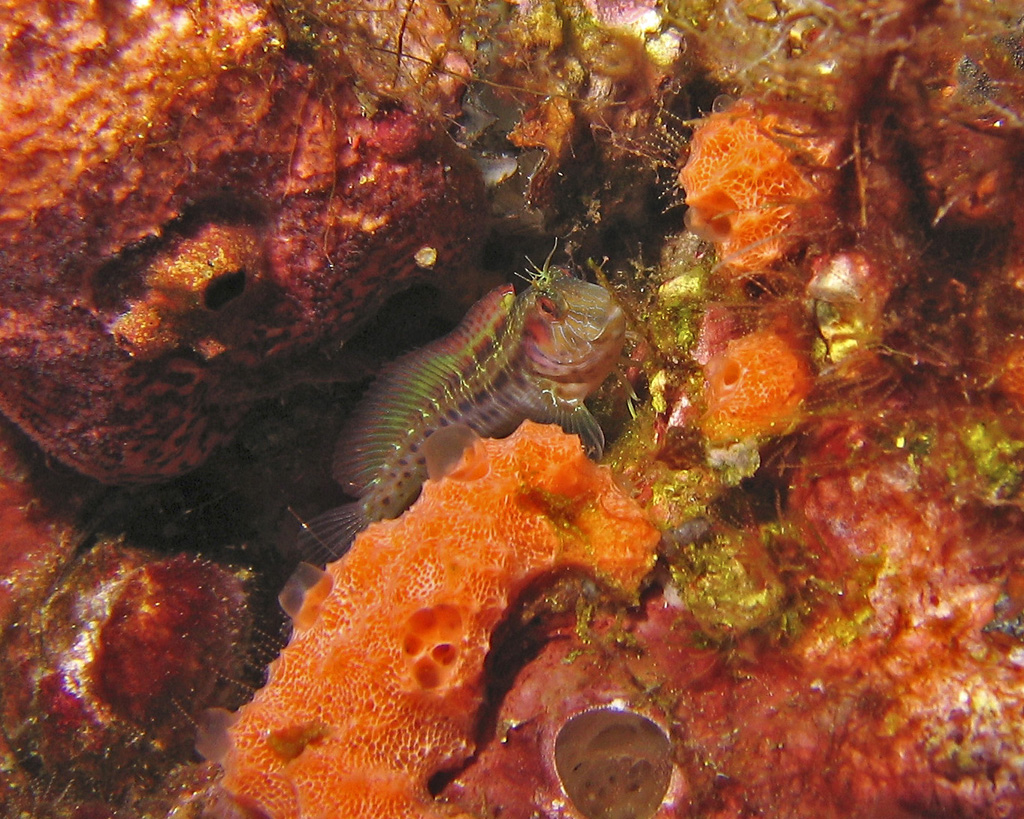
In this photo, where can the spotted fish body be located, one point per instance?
(536, 355)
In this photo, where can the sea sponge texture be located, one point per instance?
(755, 386)
(743, 186)
(379, 687)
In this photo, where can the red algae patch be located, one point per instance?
(756, 385)
(380, 690)
(1011, 380)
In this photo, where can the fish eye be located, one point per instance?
(547, 307)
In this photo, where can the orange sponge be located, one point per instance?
(743, 187)
(754, 386)
(379, 686)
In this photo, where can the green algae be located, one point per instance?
(995, 457)
(729, 583)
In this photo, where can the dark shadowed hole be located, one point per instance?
(545, 607)
(711, 216)
(224, 288)
(444, 654)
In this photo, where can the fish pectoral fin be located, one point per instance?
(328, 536)
(578, 420)
(444, 448)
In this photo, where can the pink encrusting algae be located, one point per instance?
(379, 686)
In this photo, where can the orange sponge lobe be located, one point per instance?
(381, 691)
(743, 187)
(754, 386)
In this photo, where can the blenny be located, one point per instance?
(533, 356)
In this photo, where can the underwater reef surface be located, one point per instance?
(219, 219)
(189, 216)
(381, 682)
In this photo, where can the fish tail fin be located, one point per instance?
(328, 536)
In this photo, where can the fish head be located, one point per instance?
(573, 332)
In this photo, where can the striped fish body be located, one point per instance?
(536, 356)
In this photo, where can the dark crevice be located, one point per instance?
(541, 612)
(224, 288)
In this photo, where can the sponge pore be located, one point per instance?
(754, 386)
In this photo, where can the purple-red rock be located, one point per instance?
(394, 50)
(964, 119)
(38, 510)
(38, 535)
(517, 775)
(892, 688)
(192, 220)
(113, 670)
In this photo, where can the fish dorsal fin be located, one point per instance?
(396, 404)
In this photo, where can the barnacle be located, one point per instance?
(613, 763)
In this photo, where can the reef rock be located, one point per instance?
(892, 686)
(38, 511)
(188, 214)
(114, 666)
(394, 50)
